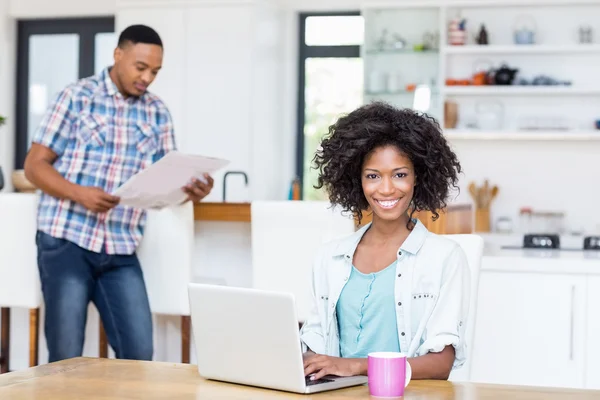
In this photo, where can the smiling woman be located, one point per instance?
(380, 136)
(393, 286)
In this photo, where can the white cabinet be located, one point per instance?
(218, 88)
(170, 81)
(219, 79)
(531, 329)
(592, 380)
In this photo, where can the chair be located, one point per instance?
(19, 278)
(472, 245)
(285, 238)
(166, 254)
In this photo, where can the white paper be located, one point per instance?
(160, 185)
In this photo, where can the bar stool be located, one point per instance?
(19, 277)
(286, 236)
(165, 254)
(473, 246)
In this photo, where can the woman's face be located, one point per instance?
(388, 182)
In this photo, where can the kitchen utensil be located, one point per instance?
(489, 114)
(585, 34)
(457, 34)
(504, 225)
(505, 75)
(482, 36)
(524, 30)
(450, 114)
(21, 183)
(474, 193)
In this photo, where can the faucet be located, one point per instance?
(225, 181)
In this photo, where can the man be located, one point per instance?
(99, 132)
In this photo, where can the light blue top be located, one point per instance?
(366, 313)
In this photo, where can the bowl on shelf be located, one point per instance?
(21, 183)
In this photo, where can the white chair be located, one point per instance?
(19, 276)
(165, 253)
(472, 245)
(285, 238)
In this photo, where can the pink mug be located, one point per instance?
(388, 374)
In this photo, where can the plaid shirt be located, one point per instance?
(101, 139)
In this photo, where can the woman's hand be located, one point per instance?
(321, 365)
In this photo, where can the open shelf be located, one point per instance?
(523, 49)
(496, 90)
(579, 135)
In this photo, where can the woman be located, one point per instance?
(392, 285)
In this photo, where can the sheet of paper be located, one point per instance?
(160, 185)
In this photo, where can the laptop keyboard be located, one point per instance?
(322, 380)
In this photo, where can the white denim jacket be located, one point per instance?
(431, 293)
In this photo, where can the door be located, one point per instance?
(530, 329)
(52, 54)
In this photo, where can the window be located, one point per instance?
(330, 84)
(52, 54)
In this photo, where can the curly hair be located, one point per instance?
(354, 136)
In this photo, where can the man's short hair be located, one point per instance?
(135, 34)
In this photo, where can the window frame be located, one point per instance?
(305, 52)
(86, 28)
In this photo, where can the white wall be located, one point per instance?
(547, 176)
(60, 8)
(7, 83)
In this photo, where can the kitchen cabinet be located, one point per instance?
(219, 88)
(592, 380)
(170, 82)
(531, 329)
(221, 60)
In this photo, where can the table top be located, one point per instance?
(89, 378)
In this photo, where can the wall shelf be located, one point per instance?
(509, 90)
(579, 135)
(557, 55)
(522, 49)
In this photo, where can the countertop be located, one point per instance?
(544, 261)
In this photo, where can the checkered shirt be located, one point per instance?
(101, 138)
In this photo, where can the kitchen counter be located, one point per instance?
(543, 261)
(232, 212)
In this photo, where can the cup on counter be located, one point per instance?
(388, 374)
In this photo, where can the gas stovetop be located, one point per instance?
(552, 242)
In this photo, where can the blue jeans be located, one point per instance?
(71, 277)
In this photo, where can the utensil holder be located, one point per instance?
(482, 220)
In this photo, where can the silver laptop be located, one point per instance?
(251, 337)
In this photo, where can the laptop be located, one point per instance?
(251, 337)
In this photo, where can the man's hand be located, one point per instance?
(321, 365)
(197, 190)
(95, 199)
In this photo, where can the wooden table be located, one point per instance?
(91, 378)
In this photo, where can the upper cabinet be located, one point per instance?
(214, 80)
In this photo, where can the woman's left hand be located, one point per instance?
(321, 365)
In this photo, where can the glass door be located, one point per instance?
(51, 55)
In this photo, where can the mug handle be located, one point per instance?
(408, 374)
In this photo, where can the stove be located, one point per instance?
(551, 241)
